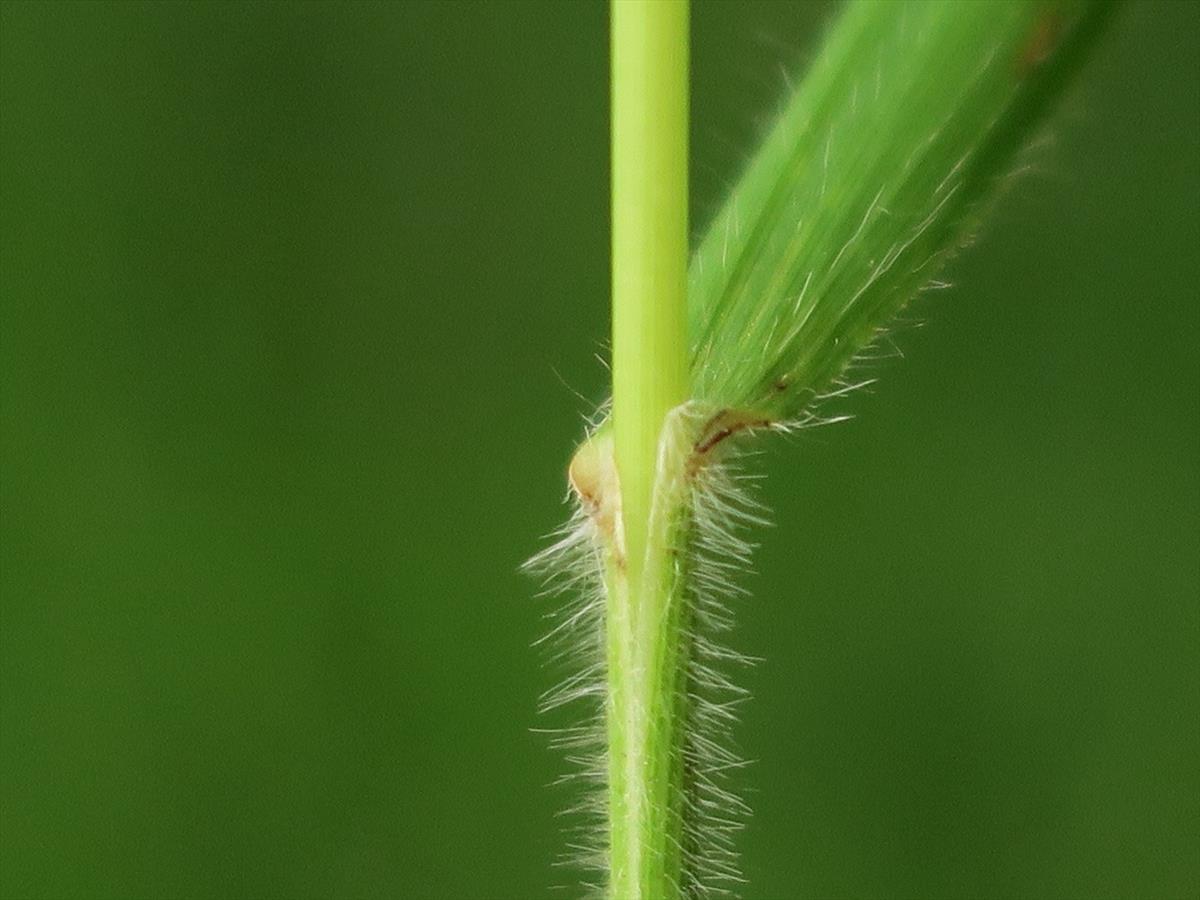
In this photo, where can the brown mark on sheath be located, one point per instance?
(724, 424)
(1040, 42)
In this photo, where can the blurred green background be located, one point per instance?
(294, 303)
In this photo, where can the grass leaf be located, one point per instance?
(875, 171)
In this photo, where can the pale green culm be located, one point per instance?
(879, 166)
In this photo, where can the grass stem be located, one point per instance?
(650, 378)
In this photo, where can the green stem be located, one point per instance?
(649, 241)
(650, 378)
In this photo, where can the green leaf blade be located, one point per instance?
(875, 171)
